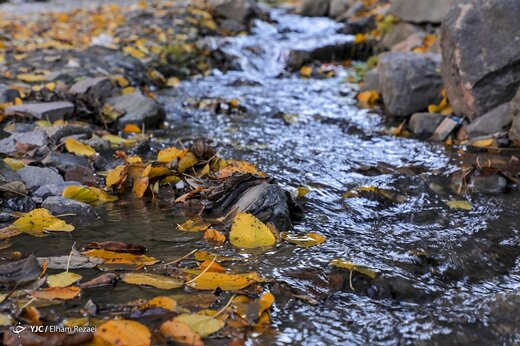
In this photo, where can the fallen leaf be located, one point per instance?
(111, 257)
(170, 154)
(36, 222)
(116, 140)
(80, 193)
(188, 195)
(123, 333)
(368, 99)
(200, 324)
(226, 282)
(306, 71)
(305, 240)
(208, 256)
(63, 279)
(249, 232)
(483, 143)
(117, 175)
(302, 191)
(19, 272)
(103, 196)
(14, 164)
(193, 226)
(154, 280)
(32, 78)
(341, 263)
(238, 167)
(62, 293)
(181, 332)
(131, 128)
(116, 246)
(162, 302)
(463, 205)
(186, 162)
(214, 235)
(141, 184)
(77, 148)
(213, 267)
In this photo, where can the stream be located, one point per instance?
(466, 290)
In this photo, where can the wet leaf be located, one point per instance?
(302, 191)
(162, 302)
(131, 128)
(63, 279)
(117, 175)
(251, 310)
(116, 246)
(80, 193)
(32, 78)
(249, 232)
(62, 293)
(111, 257)
(36, 222)
(103, 196)
(20, 272)
(214, 235)
(483, 143)
(72, 261)
(459, 204)
(141, 184)
(186, 162)
(181, 332)
(154, 280)
(123, 333)
(208, 256)
(170, 154)
(14, 164)
(200, 324)
(238, 167)
(341, 263)
(77, 148)
(305, 240)
(116, 140)
(213, 267)
(368, 98)
(226, 282)
(193, 226)
(306, 71)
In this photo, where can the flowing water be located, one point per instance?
(464, 290)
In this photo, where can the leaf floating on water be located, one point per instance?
(116, 246)
(80, 193)
(181, 332)
(250, 310)
(77, 148)
(154, 280)
(36, 222)
(213, 267)
(306, 240)
(63, 279)
(193, 226)
(200, 324)
(208, 256)
(302, 191)
(122, 332)
(226, 282)
(214, 235)
(341, 263)
(249, 232)
(111, 257)
(462, 205)
(162, 302)
(116, 140)
(62, 293)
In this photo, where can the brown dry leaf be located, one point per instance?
(153, 280)
(62, 293)
(111, 257)
(122, 333)
(181, 332)
(238, 167)
(116, 246)
(79, 149)
(214, 235)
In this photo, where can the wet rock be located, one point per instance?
(338, 7)
(51, 111)
(7, 175)
(20, 204)
(8, 95)
(60, 205)
(36, 138)
(315, 8)
(360, 25)
(481, 55)
(53, 189)
(65, 162)
(35, 177)
(493, 184)
(371, 80)
(138, 110)
(445, 128)
(409, 82)
(422, 11)
(424, 124)
(399, 33)
(496, 120)
(97, 88)
(320, 51)
(81, 174)
(57, 132)
(238, 10)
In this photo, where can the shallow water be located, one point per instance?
(466, 291)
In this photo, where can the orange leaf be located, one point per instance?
(112, 257)
(63, 293)
(214, 235)
(123, 332)
(181, 333)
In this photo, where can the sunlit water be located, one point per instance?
(467, 292)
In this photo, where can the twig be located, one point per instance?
(70, 257)
(205, 270)
(180, 259)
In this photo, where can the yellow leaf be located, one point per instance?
(63, 293)
(37, 221)
(212, 267)
(128, 90)
(162, 302)
(158, 172)
(302, 191)
(32, 78)
(238, 167)
(226, 282)
(141, 183)
(169, 154)
(483, 143)
(187, 161)
(116, 140)
(181, 333)
(117, 175)
(205, 255)
(112, 257)
(121, 81)
(341, 263)
(122, 332)
(360, 38)
(63, 279)
(214, 235)
(14, 164)
(200, 324)
(173, 82)
(249, 232)
(43, 123)
(306, 71)
(77, 148)
(103, 196)
(131, 128)
(136, 53)
(368, 98)
(80, 193)
(51, 86)
(463, 205)
(154, 280)
(306, 240)
(193, 226)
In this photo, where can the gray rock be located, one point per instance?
(322, 51)
(353, 10)
(8, 95)
(338, 7)
(7, 175)
(422, 11)
(267, 202)
(481, 55)
(138, 110)
(315, 8)
(238, 10)
(371, 80)
(496, 120)
(425, 124)
(514, 132)
(53, 189)
(409, 82)
(64, 162)
(489, 184)
(37, 138)
(97, 88)
(412, 42)
(60, 205)
(51, 111)
(399, 33)
(34, 177)
(57, 132)
(445, 128)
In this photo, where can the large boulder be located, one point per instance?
(409, 82)
(481, 55)
(422, 11)
(237, 10)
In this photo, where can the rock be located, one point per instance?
(269, 203)
(409, 82)
(57, 132)
(371, 80)
(53, 189)
(8, 95)
(356, 8)
(445, 128)
(338, 7)
(514, 132)
(51, 111)
(7, 175)
(97, 88)
(35, 177)
(422, 11)
(36, 138)
(424, 124)
(238, 10)
(315, 8)
(360, 25)
(408, 45)
(480, 43)
(60, 205)
(399, 33)
(138, 110)
(64, 162)
(81, 174)
(496, 120)
(493, 184)
(322, 51)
